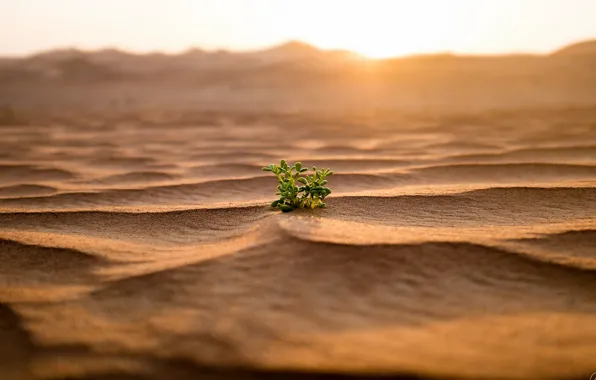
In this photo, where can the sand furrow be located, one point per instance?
(141, 244)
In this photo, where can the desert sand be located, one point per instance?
(454, 245)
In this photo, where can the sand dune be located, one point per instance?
(566, 154)
(17, 173)
(25, 190)
(452, 247)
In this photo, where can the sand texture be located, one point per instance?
(453, 246)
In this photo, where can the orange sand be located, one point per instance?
(136, 241)
(446, 250)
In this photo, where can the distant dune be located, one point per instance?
(296, 76)
(104, 65)
(580, 49)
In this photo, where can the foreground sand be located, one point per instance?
(453, 246)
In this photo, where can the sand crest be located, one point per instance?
(445, 251)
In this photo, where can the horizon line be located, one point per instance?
(286, 43)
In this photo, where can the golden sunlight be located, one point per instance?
(377, 29)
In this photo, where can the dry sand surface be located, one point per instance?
(453, 246)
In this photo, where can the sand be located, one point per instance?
(453, 246)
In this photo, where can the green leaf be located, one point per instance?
(274, 203)
(285, 208)
(298, 166)
(302, 180)
(267, 169)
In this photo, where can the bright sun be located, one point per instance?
(377, 48)
(375, 28)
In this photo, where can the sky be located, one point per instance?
(376, 28)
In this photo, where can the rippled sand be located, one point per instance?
(452, 246)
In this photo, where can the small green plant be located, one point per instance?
(296, 191)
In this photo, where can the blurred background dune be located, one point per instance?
(297, 77)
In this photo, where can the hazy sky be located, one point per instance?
(372, 27)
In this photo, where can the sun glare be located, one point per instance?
(377, 28)
(378, 49)
(371, 28)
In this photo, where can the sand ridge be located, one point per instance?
(452, 247)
